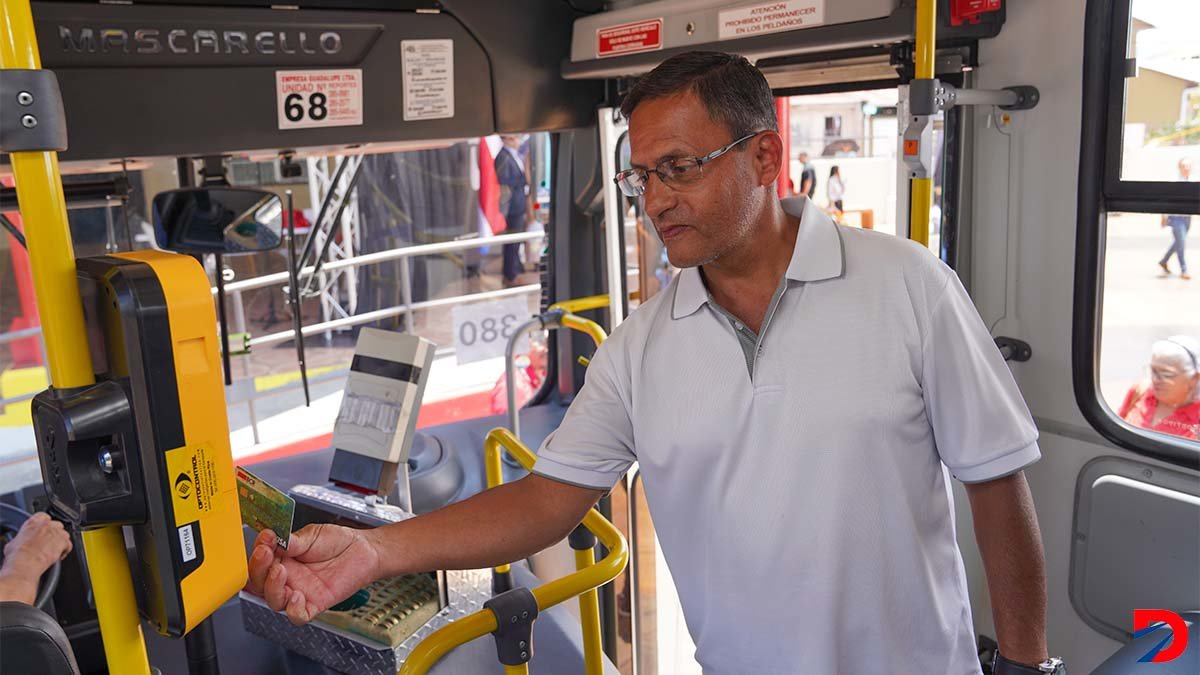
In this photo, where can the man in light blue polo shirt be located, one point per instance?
(796, 399)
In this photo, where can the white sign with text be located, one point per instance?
(770, 17)
(482, 329)
(428, 79)
(319, 98)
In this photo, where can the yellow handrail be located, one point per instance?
(922, 188)
(583, 325)
(52, 265)
(926, 32)
(476, 625)
(581, 304)
(589, 618)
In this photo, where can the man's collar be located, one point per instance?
(819, 255)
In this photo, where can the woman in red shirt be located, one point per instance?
(1171, 402)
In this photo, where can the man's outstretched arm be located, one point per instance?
(324, 564)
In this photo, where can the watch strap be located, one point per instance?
(1002, 666)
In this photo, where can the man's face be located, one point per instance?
(1185, 168)
(701, 221)
(513, 142)
(803, 158)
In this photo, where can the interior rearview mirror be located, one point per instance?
(217, 220)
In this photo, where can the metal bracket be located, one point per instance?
(1027, 97)
(502, 582)
(34, 120)
(928, 97)
(1131, 67)
(923, 98)
(1013, 349)
(918, 146)
(581, 538)
(515, 612)
(88, 450)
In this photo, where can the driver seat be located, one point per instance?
(32, 642)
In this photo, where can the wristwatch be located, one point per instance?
(1051, 666)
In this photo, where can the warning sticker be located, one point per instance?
(319, 98)
(629, 38)
(428, 79)
(770, 17)
(192, 479)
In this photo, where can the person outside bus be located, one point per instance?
(515, 201)
(1170, 401)
(1180, 224)
(808, 176)
(835, 189)
(788, 453)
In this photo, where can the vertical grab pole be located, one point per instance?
(510, 377)
(922, 187)
(926, 37)
(52, 263)
(584, 543)
(613, 219)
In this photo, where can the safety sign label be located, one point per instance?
(319, 98)
(629, 38)
(770, 17)
(428, 79)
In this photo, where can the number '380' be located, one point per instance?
(487, 330)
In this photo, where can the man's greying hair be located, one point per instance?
(734, 92)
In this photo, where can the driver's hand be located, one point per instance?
(41, 542)
(323, 565)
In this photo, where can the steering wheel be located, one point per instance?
(11, 520)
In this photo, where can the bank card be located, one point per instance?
(265, 507)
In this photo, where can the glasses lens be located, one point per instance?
(679, 171)
(631, 183)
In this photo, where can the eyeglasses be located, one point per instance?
(672, 172)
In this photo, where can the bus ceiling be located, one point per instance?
(189, 79)
(794, 42)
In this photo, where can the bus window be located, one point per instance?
(466, 299)
(1134, 328)
(1161, 121)
(1150, 336)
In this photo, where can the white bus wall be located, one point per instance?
(1028, 293)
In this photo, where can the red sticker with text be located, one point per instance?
(629, 38)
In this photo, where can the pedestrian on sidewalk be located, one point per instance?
(835, 189)
(1180, 224)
